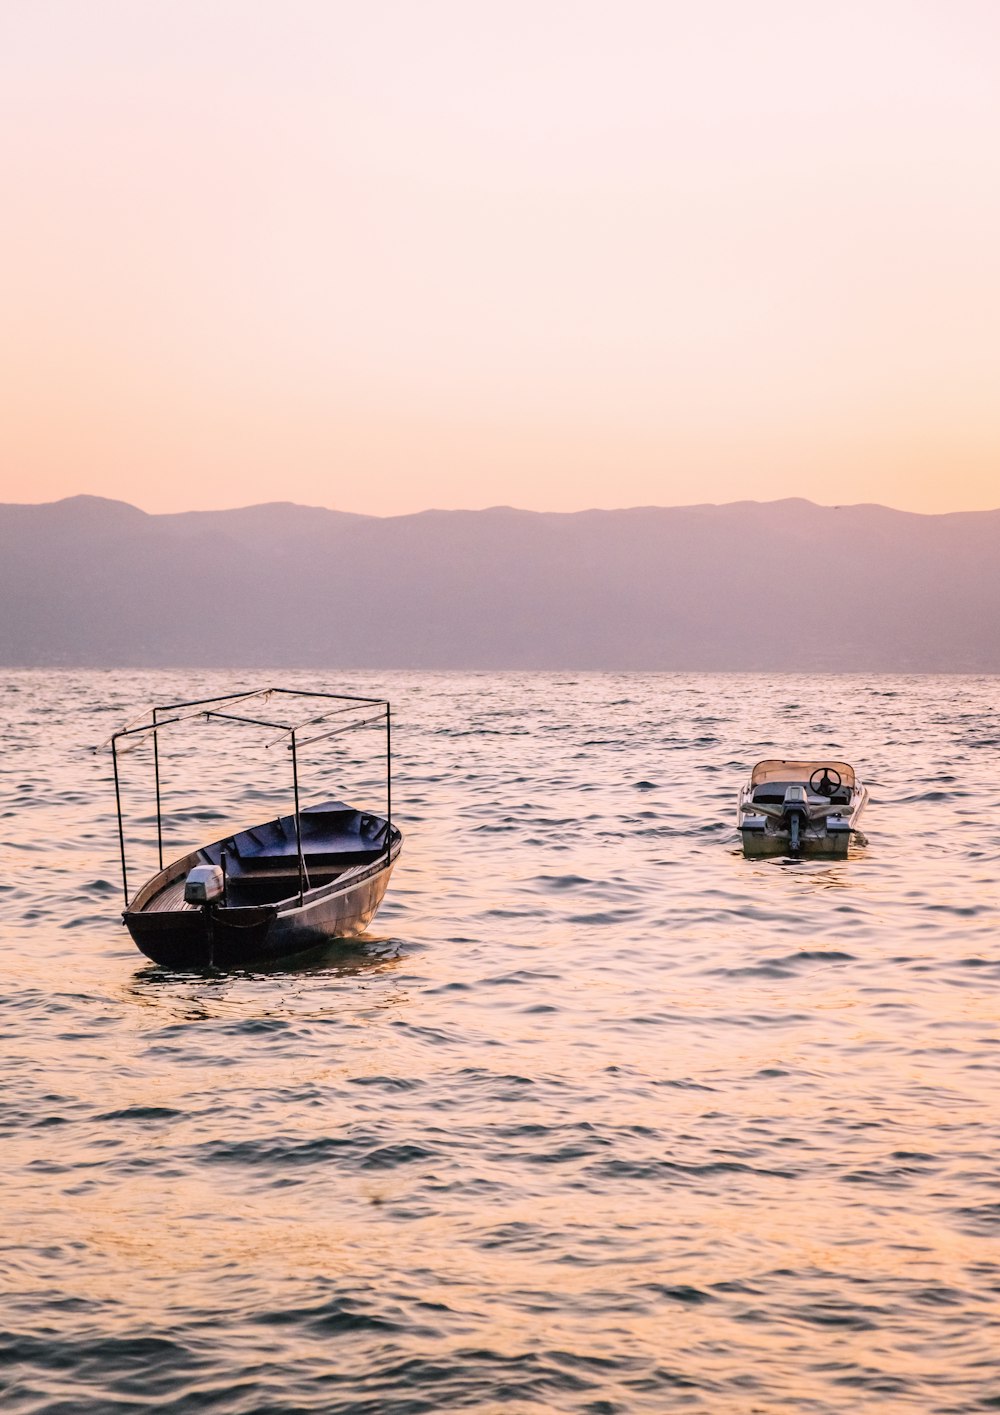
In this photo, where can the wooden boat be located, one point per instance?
(800, 808)
(272, 890)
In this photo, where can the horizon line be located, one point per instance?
(85, 496)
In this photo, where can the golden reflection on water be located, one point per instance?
(596, 1085)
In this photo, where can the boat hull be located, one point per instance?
(827, 838)
(187, 939)
(760, 844)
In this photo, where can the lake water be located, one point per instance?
(601, 1118)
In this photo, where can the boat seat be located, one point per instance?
(334, 837)
(773, 794)
(277, 860)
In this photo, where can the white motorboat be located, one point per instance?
(800, 808)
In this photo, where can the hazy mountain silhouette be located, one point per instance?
(780, 585)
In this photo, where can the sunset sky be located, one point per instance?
(383, 256)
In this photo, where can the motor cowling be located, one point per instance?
(204, 885)
(796, 801)
(795, 812)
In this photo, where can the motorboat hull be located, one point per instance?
(820, 844)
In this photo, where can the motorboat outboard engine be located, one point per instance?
(795, 814)
(205, 887)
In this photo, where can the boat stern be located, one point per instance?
(197, 939)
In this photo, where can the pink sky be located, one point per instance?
(552, 253)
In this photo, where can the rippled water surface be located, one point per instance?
(602, 1117)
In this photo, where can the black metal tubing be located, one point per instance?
(253, 721)
(211, 712)
(264, 693)
(146, 727)
(298, 818)
(325, 717)
(131, 732)
(219, 698)
(341, 697)
(338, 731)
(159, 812)
(178, 708)
(388, 782)
(121, 829)
(229, 698)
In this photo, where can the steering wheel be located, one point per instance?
(829, 781)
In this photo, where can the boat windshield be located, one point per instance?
(794, 772)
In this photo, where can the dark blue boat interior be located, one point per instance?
(262, 864)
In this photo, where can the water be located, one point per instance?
(602, 1117)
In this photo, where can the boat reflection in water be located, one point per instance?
(273, 890)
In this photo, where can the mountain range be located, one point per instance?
(771, 586)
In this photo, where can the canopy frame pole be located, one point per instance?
(298, 819)
(156, 774)
(118, 809)
(388, 781)
(179, 713)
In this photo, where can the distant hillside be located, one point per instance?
(782, 585)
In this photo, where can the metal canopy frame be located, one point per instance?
(212, 709)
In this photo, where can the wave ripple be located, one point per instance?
(602, 1118)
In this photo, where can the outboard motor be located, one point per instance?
(205, 886)
(795, 814)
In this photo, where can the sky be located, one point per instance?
(383, 256)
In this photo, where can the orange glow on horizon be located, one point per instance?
(554, 256)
